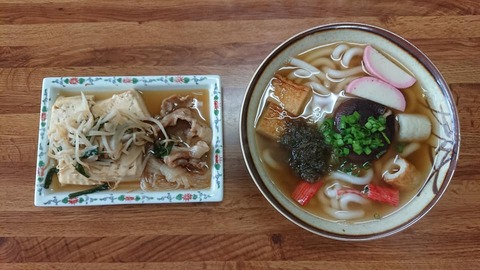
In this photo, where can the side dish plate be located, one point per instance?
(177, 83)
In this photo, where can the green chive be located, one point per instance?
(49, 177)
(80, 169)
(98, 188)
(400, 147)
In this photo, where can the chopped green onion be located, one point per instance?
(89, 153)
(400, 147)
(366, 166)
(353, 136)
(354, 169)
(380, 154)
(161, 150)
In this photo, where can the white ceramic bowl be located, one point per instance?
(445, 126)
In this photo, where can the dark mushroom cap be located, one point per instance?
(365, 108)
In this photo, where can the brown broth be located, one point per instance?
(286, 180)
(153, 100)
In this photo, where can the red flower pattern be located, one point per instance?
(127, 80)
(73, 80)
(41, 171)
(187, 197)
(129, 198)
(43, 116)
(73, 201)
(179, 79)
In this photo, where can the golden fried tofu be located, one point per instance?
(401, 174)
(129, 101)
(292, 97)
(271, 122)
(71, 123)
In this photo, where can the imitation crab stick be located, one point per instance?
(382, 194)
(305, 191)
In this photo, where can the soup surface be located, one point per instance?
(327, 76)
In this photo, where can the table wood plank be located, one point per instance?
(43, 38)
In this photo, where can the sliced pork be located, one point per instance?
(198, 127)
(189, 157)
(174, 102)
(184, 158)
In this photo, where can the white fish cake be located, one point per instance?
(413, 127)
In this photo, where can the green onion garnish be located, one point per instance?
(355, 137)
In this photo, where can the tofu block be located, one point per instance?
(129, 101)
(67, 175)
(68, 112)
(271, 123)
(65, 107)
(292, 97)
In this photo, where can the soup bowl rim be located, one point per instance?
(405, 45)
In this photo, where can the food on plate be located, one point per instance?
(116, 138)
(97, 141)
(342, 130)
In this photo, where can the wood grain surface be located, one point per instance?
(40, 38)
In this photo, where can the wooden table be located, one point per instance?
(40, 38)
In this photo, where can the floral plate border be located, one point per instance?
(51, 86)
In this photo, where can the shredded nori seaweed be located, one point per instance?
(309, 154)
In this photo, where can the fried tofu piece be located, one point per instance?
(292, 97)
(401, 174)
(64, 107)
(271, 123)
(128, 101)
(68, 112)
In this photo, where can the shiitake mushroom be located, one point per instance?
(365, 108)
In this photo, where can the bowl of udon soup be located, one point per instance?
(349, 131)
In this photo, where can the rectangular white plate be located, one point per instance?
(52, 86)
